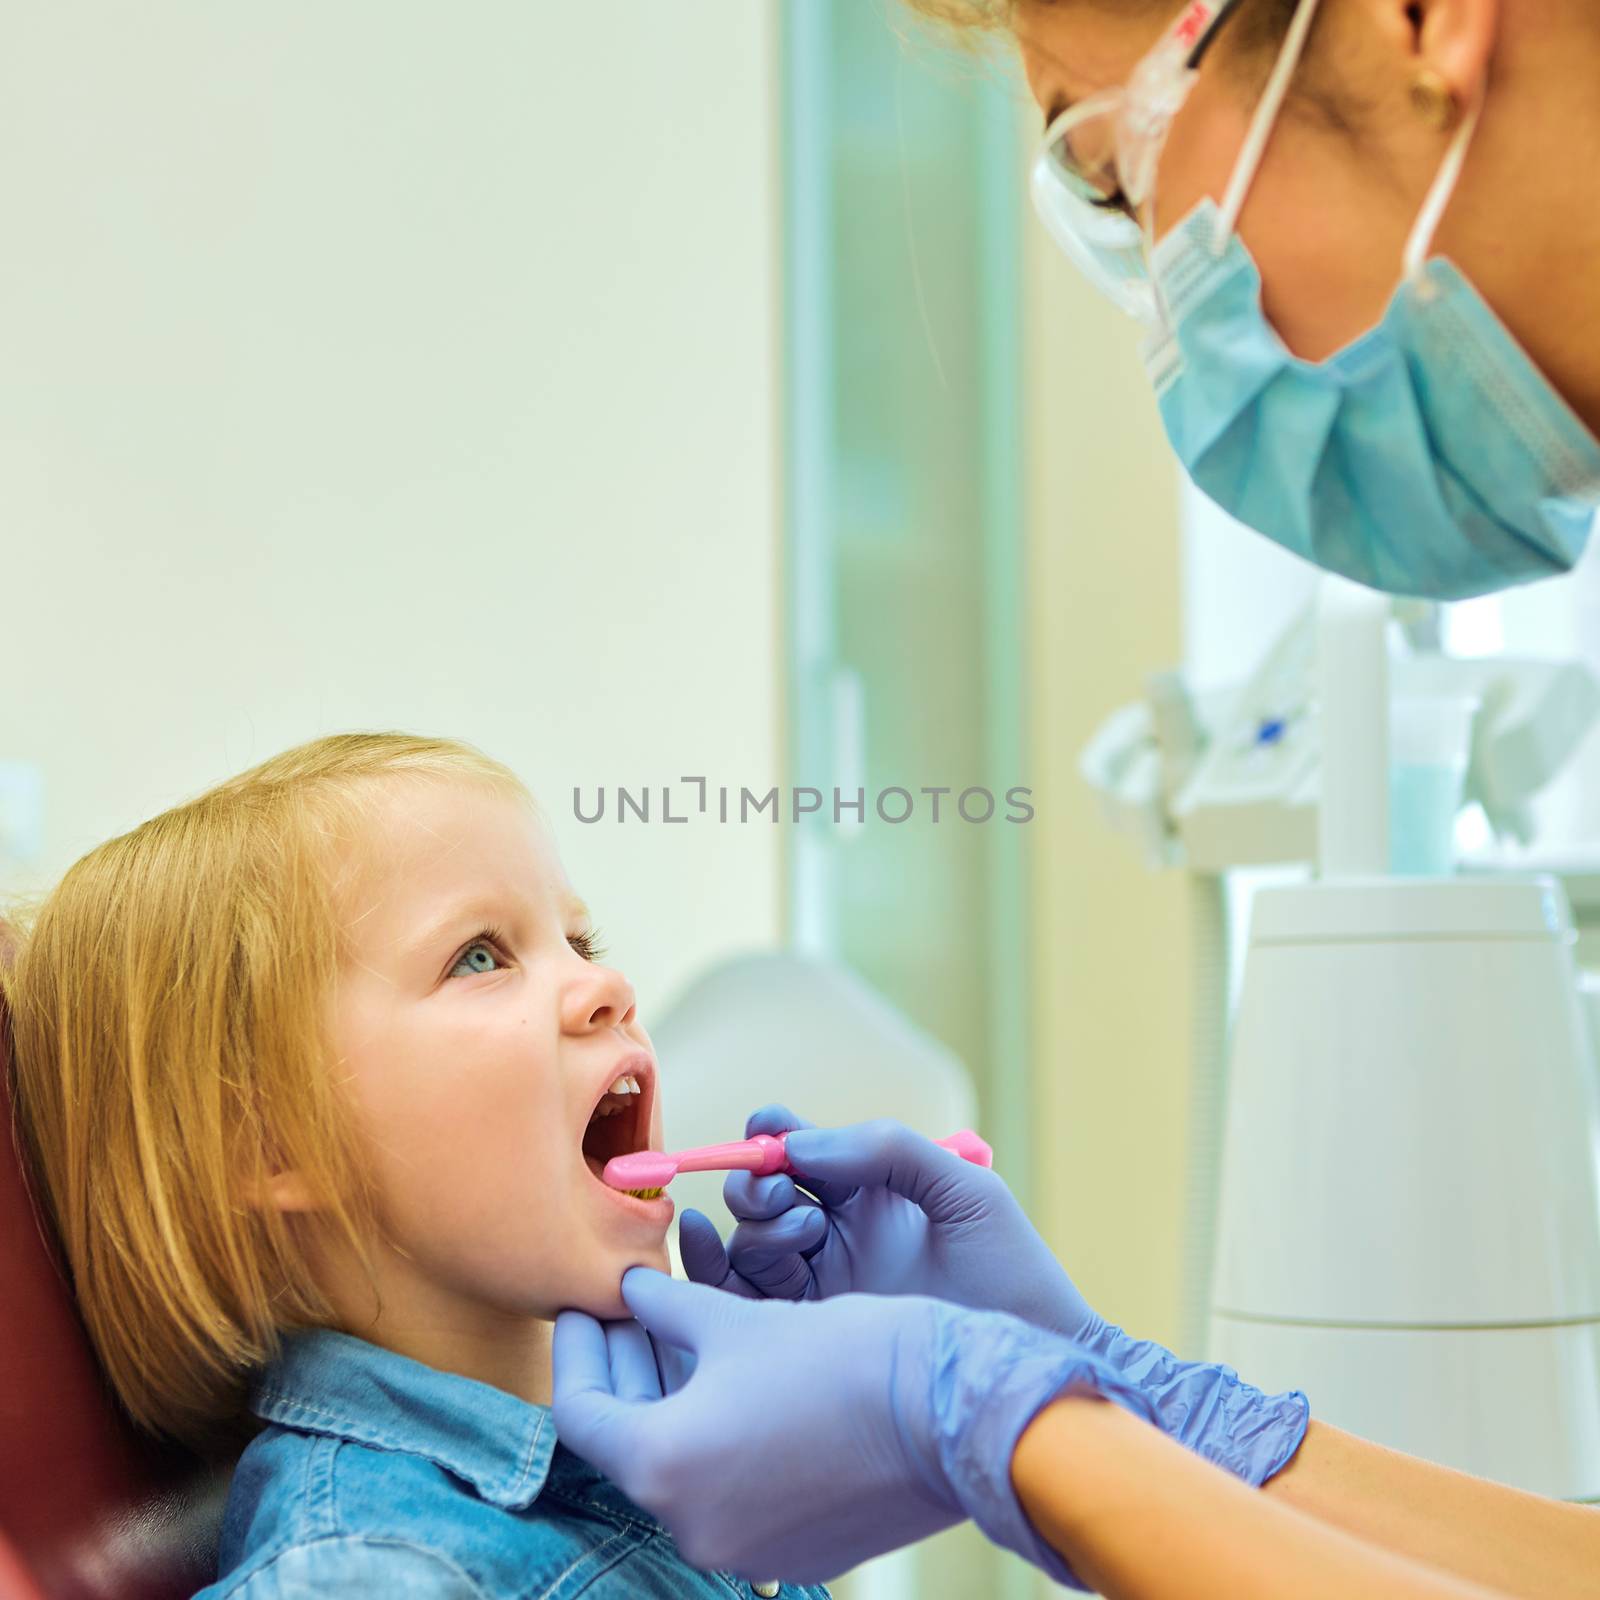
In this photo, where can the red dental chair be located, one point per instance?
(90, 1509)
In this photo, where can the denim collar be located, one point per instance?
(324, 1381)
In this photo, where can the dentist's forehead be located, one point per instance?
(1072, 48)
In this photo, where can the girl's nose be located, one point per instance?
(599, 998)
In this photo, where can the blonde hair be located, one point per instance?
(171, 1048)
(966, 13)
(1261, 25)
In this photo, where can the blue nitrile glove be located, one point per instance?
(895, 1213)
(812, 1437)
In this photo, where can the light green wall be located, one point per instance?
(904, 559)
(376, 366)
(1110, 957)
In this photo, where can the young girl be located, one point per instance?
(317, 1073)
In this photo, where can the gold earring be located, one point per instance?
(1433, 99)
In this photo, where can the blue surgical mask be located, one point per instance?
(1431, 457)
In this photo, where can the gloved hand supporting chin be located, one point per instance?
(893, 1213)
(811, 1437)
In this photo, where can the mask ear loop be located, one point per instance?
(1423, 229)
(1255, 143)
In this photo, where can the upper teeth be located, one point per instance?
(621, 1089)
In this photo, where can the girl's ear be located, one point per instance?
(284, 1191)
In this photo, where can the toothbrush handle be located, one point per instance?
(765, 1154)
(966, 1144)
(970, 1147)
(761, 1155)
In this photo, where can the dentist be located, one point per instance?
(1365, 255)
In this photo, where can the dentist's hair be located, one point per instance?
(966, 13)
(171, 1050)
(1249, 43)
(1263, 22)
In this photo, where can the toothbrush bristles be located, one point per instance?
(644, 1194)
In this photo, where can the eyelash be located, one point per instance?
(587, 943)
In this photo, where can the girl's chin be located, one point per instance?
(656, 1258)
(606, 1301)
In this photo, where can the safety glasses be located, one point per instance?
(1096, 165)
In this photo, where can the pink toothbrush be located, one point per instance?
(763, 1155)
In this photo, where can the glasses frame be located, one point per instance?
(1092, 232)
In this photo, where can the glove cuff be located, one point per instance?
(1208, 1408)
(990, 1374)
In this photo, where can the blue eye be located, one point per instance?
(472, 957)
(486, 948)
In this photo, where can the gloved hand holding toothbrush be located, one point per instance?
(808, 1438)
(896, 1214)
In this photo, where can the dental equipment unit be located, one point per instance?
(1396, 1190)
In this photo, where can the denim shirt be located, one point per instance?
(379, 1476)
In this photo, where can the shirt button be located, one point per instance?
(768, 1589)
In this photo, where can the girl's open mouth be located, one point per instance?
(620, 1121)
